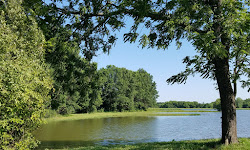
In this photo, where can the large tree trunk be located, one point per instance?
(229, 130)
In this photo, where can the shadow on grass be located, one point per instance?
(192, 145)
(63, 144)
(174, 145)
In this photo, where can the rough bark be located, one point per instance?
(228, 107)
(222, 74)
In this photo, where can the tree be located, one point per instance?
(76, 87)
(239, 102)
(76, 83)
(24, 77)
(125, 90)
(218, 29)
(146, 93)
(217, 104)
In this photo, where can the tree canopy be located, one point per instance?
(123, 89)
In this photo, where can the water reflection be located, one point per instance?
(96, 131)
(127, 130)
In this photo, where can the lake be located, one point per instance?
(129, 130)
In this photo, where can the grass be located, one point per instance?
(149, 113)
(243, 108)
(211, 144)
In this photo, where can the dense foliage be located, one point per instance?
(123, 89)
(80, 88)
(76, 86)
(24, 77)
(109, 89)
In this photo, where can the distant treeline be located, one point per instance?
(184, 104)
(240, 103)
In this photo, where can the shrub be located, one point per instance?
(24, 78)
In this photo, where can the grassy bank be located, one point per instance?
(213, 144)
(150, 112)
(243, 108)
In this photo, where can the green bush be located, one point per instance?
(24, 78)
(63, 110)
(50, 113)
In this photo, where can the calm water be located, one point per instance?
(128, 130)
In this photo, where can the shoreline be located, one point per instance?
(244, 143)
(151, 112)
(206, 144)
(97, 115)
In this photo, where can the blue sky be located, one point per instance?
(162, 64)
